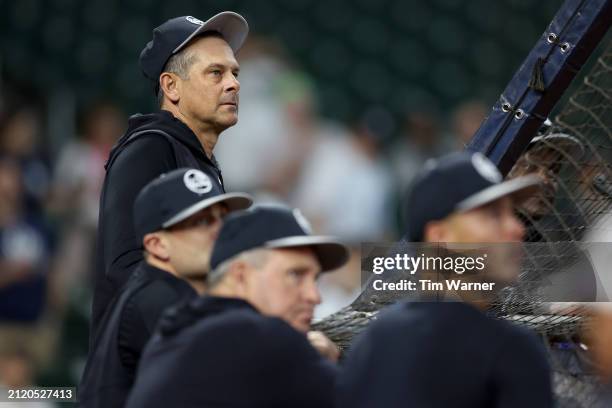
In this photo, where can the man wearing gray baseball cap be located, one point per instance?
(191, 65)
(177, 218)
(443, 350)
(247, 342)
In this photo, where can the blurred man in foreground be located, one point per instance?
(245, 344)
(553, 220)
(177, 217)
(450, 354)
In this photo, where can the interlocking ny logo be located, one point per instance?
(194, 20)
(197, 181)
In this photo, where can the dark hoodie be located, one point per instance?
(125, 328)
(221, 352)
(153, 144)
(441, 355)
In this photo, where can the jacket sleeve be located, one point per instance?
(133, 335)
(140, 316)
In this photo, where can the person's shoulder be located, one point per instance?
(281, 331)
(143, 148)
(520, 354)
(411, 312)
(275, 339)
(155, 293)
(244, 320)
(394, 318)
(519, 338)
(428, 323)
(252, 329)
(148, 296)
(140, 161)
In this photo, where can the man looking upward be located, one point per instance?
(193, 69)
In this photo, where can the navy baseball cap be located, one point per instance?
(459, 182)
(174, 35)
(176, 196)
(274, 227)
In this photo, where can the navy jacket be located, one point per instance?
(444, 355)
(221, 352)
(123, 332)
(139, 156)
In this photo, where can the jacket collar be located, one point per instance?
(166, 121)
(150, 272)
(184, 134)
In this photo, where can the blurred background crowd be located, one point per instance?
(341, 102)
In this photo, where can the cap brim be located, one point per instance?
(558, 141)
(519, 188)
(234, 201)
(232, 27)
(331, 253)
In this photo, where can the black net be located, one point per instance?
(574, 157)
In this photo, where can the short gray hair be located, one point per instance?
(178, 64)
(254, 257)
(181, 62)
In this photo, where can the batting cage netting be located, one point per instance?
(568, 225)
(567, 222)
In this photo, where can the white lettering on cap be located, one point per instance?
(194, 20)
(197, 181)
(302, 221)
(486, 168)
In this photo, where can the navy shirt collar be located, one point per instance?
(153, 273)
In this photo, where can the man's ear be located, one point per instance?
(238, 272)
(169, 85)
(156, 245)
(434, 231)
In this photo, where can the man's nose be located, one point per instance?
(312, 293)
(232, 83)
(514, 229)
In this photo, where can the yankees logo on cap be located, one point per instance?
(179, 194)
(197, 181)
(194, 20)
(176, 34)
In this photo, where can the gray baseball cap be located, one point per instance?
(177, 195)
(459, 182)
(275, 227)
(174, 35)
